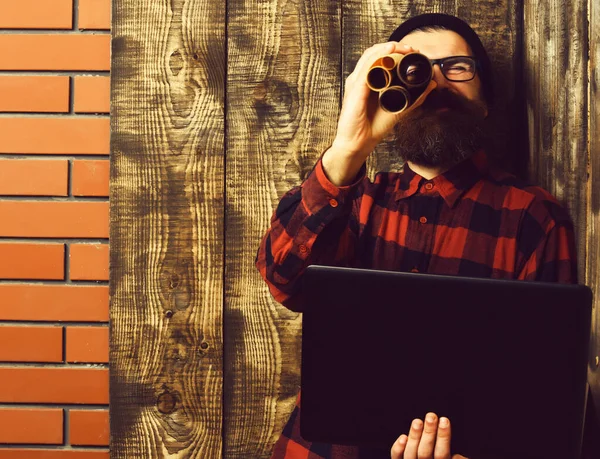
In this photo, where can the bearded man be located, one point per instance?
(448, 211)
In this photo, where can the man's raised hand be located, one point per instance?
(362, 123)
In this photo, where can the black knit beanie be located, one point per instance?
(464, 30)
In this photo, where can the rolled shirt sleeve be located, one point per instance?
(310, 225)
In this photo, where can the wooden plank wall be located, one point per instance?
(218, 108)
(282, 100)
(562, 111)
(167, 184)
(556, 71)
(592, 273)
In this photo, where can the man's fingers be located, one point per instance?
(428, 438)
(442, 443)
(404, 49)
(414, 437)
(398, 447)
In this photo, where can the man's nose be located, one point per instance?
(439, 77)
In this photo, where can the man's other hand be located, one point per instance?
(426, 440)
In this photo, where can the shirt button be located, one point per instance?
(302, 248)
(429, 186)
(333, 203)
(423, 220)
(414, 270)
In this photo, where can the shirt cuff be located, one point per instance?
(318, 191)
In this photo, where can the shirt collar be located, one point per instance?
(451, 185)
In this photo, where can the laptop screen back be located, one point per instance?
(505, 361)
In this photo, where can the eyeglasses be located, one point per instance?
(454, 68)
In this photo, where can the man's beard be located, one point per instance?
(427, 137)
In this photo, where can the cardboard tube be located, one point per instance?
(379, 76)
(391, 60)
(426, 91)
(414, 70)
(394, 99)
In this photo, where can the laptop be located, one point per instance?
(505, 361)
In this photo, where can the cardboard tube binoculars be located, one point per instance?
(399, 79)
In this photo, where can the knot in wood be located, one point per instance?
(260, 91)
(176, 62)
(174, 283)
(166, 402)
(276, 103)
(275, 93)
(204, 345)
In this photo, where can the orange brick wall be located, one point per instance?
(54, 172)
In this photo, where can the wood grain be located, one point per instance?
(555, 68)
(498, 25)
(593, 192)
(282, 107)
(167, 181)
(562, 112)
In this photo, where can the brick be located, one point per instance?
(22, 425)
(94, 14)
(14, 453)
(89, 428)
(54, 219)
(92, 94)
(55, 52)
(54, 302)
(62, 136)
(89, 262)
(32, 177)
(87, 344)
(91, 177)
(54, 385)
(32, 261)
(31, 344)
(34, 93)
(36, 14)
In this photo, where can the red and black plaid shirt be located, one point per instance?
(471, 221)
